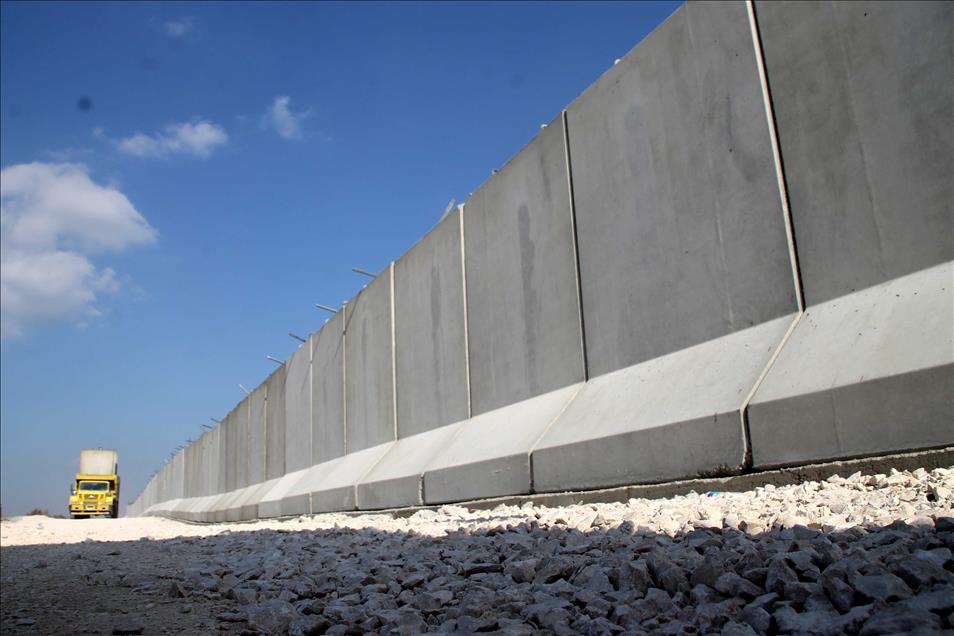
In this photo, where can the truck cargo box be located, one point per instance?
(98, 461)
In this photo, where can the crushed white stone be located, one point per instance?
(867, 554)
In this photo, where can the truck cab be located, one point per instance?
(94, 495)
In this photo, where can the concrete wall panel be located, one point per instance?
(523, 312)
(208, 480)
(396, 480)
(863, 95)
(369, 396)
(275, 424)
(430, 355)
(680, 225)
(241, 444)
(867, 373)
(673, 417)
(221, 458)
(298, 409)
(230, 430)
(864, 100)
(327, 390)
(256, 435)
(489, 456)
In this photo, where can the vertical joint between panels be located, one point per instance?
(576, 246)
(776, 153)
(394, 418)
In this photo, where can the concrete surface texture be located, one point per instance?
(863, 98)
(430, 350)
(733, 252)
(275, 424)
(396, 480)
(232, 461)
(489, 455)
(870, 372)
(327, 390)
(369, 380)
(672, 417)
(256, 435)
(522, 309)
(298, 409)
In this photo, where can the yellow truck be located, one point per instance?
(95, 490)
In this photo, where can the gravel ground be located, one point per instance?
(867, 554)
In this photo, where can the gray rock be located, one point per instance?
(731, 584)
(593, 578)
(939, 601)
(522, 571)
(667, 575)
(272, 616)
(938, 556)
(798, 593)
(765, 601)
(701, 594)
(757, 618)
(405, 621)
(737, 629)
(917, 573)
(791, 622)
(778, 575)
(900, 620)
(308, 626)
(634, 575)
(839, 593)
(707, 572)
(128, 628)
(944, 524)
(882, 587)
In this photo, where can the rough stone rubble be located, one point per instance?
(869, 554)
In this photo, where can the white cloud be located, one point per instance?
(280, 118)
(179, 28)
(53, 218)
(198, 139)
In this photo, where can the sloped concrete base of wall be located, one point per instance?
(249, 504)
(673, 417)
(395, 481)
(330, 486)
(489, 456)
(867, 373)
(277, 501)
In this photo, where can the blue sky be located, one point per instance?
(181, 182)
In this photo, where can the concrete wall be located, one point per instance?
(680, 225)
(257, 435)
(298, 409)
(327, 389)
(863, 97)
(734, 251)
(522, 308)
(275, 424)
(369, 386)
(430, 349)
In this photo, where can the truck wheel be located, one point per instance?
(114, 513)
